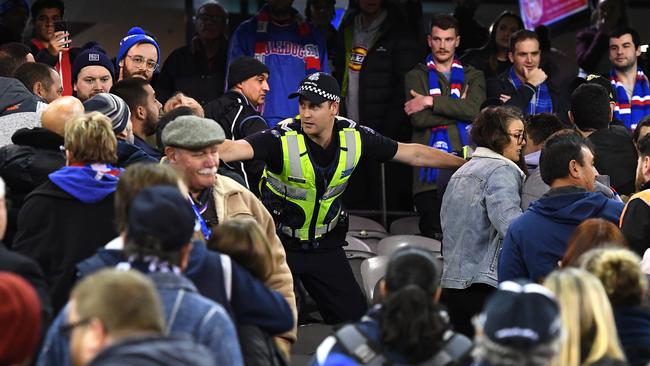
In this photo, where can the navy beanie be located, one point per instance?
(135, 35)
(93, 56)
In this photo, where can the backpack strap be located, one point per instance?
(457, 347)
(359, 346)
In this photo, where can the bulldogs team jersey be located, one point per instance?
(290, 51)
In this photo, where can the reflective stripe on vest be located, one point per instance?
(297, 182)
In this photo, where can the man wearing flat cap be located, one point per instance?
(237, 111)
(308, 163)
(191, 147)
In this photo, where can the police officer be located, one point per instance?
(309, 160)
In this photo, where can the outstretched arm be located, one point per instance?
(237, 150)
(425, 156)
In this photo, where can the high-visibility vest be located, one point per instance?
(296, 189)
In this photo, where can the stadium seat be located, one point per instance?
(390, 244)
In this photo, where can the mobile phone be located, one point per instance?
(61, 25)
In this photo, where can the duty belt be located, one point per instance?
(320, 230)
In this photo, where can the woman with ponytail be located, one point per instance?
(408, 327)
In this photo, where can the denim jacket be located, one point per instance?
(481, 200)
(186, 313)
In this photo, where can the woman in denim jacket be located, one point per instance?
(481, 200)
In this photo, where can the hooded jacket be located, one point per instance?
(19, 108)
(65, 220)
(537, 240)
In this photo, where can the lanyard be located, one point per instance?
(197, 212)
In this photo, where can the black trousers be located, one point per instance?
(328, 278)
(427, 205)
(462, 305)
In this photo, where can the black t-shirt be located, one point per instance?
(268, 147)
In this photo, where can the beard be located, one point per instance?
(139, 73)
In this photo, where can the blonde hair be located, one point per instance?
(90, 139)
(619, 270)
(586, 315)
(244, 240)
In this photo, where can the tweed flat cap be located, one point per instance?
(192, 133)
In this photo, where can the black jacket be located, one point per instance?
(128, 154)
(615, 155)
(635, 221)
(239, 119)
(58, 231)
(25, 164)
(521, 97)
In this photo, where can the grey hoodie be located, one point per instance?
(19, 108)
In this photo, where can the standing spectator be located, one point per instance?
(472, 33)
(145, 109)
(70, 215)
(116, 318)
(49, 46)
(375, 49)
(12, 55)
(614, 149)
(443, 97)
(492, 58)
(525, 84)
(42, 80)
(198, 69)
(592, 42)
(236, 111)
(13, 18)
(485, 192)
(537, 240)
(321, 13)
(626, 287)
(590, 332)
(290, 47)
(34, 154)
(635, 220)
(139, 55)
(92, 73)
(642, 129)
(520, 325)
(20, 316)
(631, 83)
(590, 234)
(19, 108)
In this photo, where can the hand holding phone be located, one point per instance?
(61, 36)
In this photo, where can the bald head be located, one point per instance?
(59, 112)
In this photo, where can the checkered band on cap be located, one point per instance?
(321, 92)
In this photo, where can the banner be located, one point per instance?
(536, 12)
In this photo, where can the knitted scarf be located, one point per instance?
(439, 136)
(311, 57)
(631, 112)
(541, 101)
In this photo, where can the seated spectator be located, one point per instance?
(590, 336)
(486, 191)
(34, 154)
(626, 286)
(591, 234)
(116, 318)
(537, 240)
(626, 75)
(605, 83)
(635, 221)
(525, 85)
(613, 146)
(492, 58)
(12, 56)
(19, 108)
(592, 42)
(145, 110)
(408, 327)
(20, 317)
(236, 112)
(642, 129)
(509, 334)
(69, 216)
(92, 73)
(13, 17)
(560, 68)
(539, 127)
(47, 44)
(198, 69)
(118, 112)
(41, 79)
(139, 55)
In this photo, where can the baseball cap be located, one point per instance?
(318, 88)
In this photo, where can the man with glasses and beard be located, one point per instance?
(138, 55)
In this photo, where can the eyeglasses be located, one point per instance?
(151, 65)
(519, 136)
(67, 329)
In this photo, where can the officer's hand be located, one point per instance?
(418, 103)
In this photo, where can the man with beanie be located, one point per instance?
(92, 73)
(69, 216)
(236, 111)
(118, 112)
(520, 325)
(139, 55)
(291, 47)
